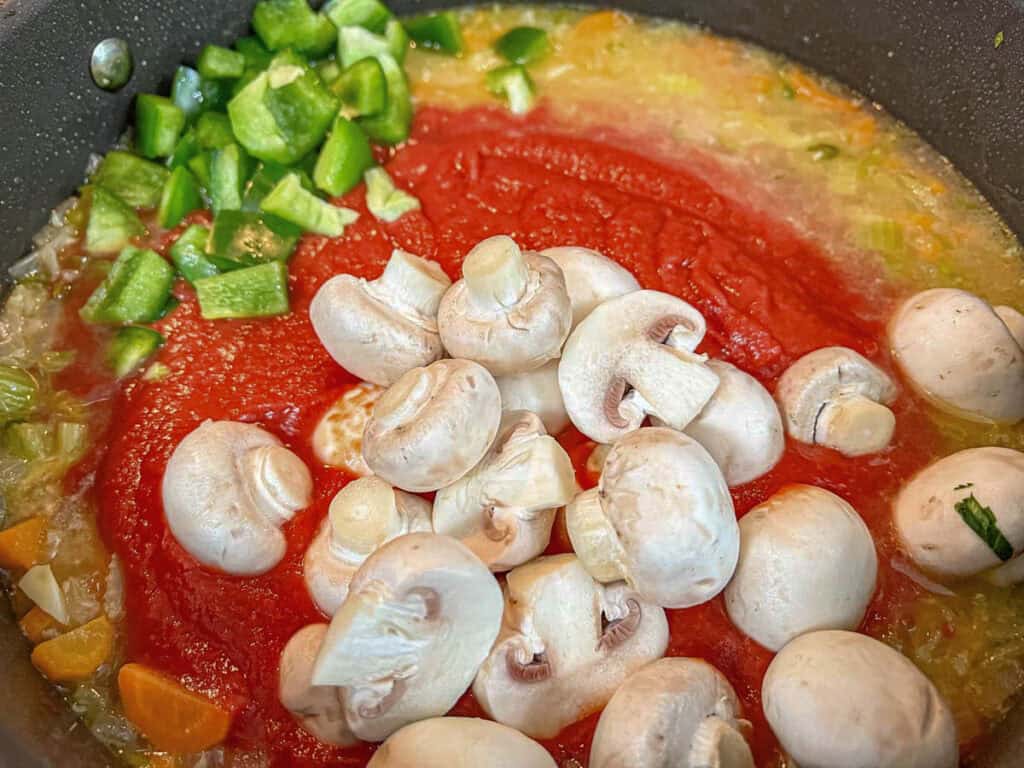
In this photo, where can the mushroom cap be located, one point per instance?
(338, 437)
(740, 426)
(510, 312)
(1014, 322)
(364, 515)
(838, 699)
(536, 391)
(433, 425)
(807, 562)
(320, 710)
(664, 714)
(661, 518)
(227, 490)
(504, 508)
(960, 355)
(460, 742)
(591, 278)
(378, 330)
(566, 644)
(633, 356)
(421, 614)
(931, 528)
(835, 397)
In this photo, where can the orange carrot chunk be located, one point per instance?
(75, 655)
(23, 545)
(37, 625)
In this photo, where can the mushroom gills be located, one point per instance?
(320, 710)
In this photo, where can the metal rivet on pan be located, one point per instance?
(111, 64)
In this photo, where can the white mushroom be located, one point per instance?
(320, 709)
(1014, 321)
(227, 490)
(661, 518)
(338, 437)
(807, 562)
(460, 742)
(433, 425)
(510, 312)
(590, 278)
(363, 516)
(960, 354)
(536, 391)
(382, 328)
(836, 397)
(504, 508)
(633, 357)
(838, 699)
(420, 617)
(566, 644)
(674, 712)
(964, 515)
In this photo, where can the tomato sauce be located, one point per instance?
(768, 296)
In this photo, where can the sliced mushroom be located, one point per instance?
(836, 398)
(365, 515)
(338, 437)
(960, 354)
(964, 515)
(1014, 322)
(844, 700)
(590, 278)
(379, 329)
(227, 490)
(504, 508)
(633, 357)
(661, 518)
(320, 709)
(807, 562)
(460, 742)
(433, 425)
(566, 644)
(421, 614)
(536, 391)
(510, 312)
(674, 712)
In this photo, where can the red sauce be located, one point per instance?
(768, 297)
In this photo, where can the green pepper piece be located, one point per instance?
(515, 85)
(369, 14)
(392, 125)
(385, 201)
(229, 170)
(158, 125)
(329, 70)
(257, 57)
(291, 202)
(186, 148)
(213, 130)
(218, 63)
(302, 108)
(200, 166)
(131, 347)
(112, 223)
(259, 291)
(187, 92)
(253, 123)
(436, 31)
(134, 291)
(18, 392)
(180, 198)
(293, 24)
(189, 254)
(245, 238)
(345, 156)
(356, 43)
(217, 94)
(263, 181)
(523, 45)
(362, 88)
(135, 181)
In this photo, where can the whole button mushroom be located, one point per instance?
(422, 612)
(566, 644)
(838, 699)
(510, 312)
(379, 329)
(227, 490)
(1014, 321)
(807, 562)
(536, 391)
(633, 357)
(590, 278)
(364, 515)
(960, 354)
(338, 437)
(319, 709)
(504, 508)
(661, 518)
(964, 515)
(460, 742)
(674, 712)
(837, 398)
(433, 425)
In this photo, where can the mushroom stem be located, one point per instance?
(593, 537)
(717, 744)
(363, 516)
(672, 384)
(496, 273)
(278, 481)
(854, 425)
(414, 281)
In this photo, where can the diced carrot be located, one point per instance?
(806, 86)
(601, 23)
(23, 545)
(37, 625)
(159, 760)
(75, 655)
(173, 718)
(863, 131)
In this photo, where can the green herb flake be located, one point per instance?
(1000, 37)
(981, 520)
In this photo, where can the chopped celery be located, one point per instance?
(392, 125)
(883, 236)
(112, 223)
(436, 31)
(28, 441)
(134, 291)
(158, 125)
(345, 156)
(362, 88)
(72, 440)
(134, 180)
(189, 254)
(293, 24)
(291, 202)
(131, 347)
(244, 238)
(513, 83)
(384, 200)
(229, 170)
(187, 92)
(217, 63)
(357, 43)
(213, 130)
(259, 291)
(523, 45)
(18, 393)
(257, 57)
(369, 14)
(180, 198)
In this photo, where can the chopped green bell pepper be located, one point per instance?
(217, 94)
(135, 181)
(229, 170)
(112, 223)
(213, 130)
(362, 88)
(131, 347)
(293, 24)
(385, 201)
(186, 148)
(523, 45)
(187, 92)
(369, 14)
(329, 70)
(265, 179)
(356, 43)
(217, 63)
(189, 254)
(345, 156)
(436, 31)
(28, 441)
(18, 392)
(134, 291)
(200, 166)
(259, 291)
(257, 57)
(291, 202)
(392, 125)
(158, 125)
(180, 197)
(515, 85)
(244, 238)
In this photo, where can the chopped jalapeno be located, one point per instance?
(436, 31)
(135, 181)
(245, 238)
(392, 125)
(131, 347)
(180, 197)
(189, 254)
(229, 169)
(362, 88)
(134, 291)
(112, 223)
(17, 393)
(217, 63)
(259, 291)
(369, 14)
(158, 125)
(213, 130)
(385, 201)
(293, 24)
(291, 202)
(513, 83)
(345, 156)
(523, 45)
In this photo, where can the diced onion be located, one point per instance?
(41, 587)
